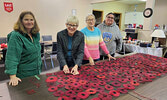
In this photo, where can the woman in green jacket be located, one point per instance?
(23, 58)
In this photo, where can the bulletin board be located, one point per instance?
(134, 17)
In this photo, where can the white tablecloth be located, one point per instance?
(146, 50)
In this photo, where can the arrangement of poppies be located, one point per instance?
(108, 79)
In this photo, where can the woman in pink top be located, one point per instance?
(93, 40)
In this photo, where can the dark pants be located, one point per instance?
(106, 57)
(87, 61)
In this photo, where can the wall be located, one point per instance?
(139, 8)
(51, 15)
(117, 7)
(159, 13)
(112, 7)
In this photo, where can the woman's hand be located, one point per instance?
(74, 70)
(110, 57)
(66, 69)
(14, 80)
(91, 61)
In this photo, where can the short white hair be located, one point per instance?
(72, 19)
(90, 15)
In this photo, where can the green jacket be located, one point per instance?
(23, 56)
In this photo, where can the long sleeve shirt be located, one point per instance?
(23, 56)
(93, 40)
(111, 36)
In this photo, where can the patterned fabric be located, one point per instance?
(93, 40)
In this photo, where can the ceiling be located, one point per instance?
(121, 1)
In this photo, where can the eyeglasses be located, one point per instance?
(89, 20)
(110, 17)
(70, 25)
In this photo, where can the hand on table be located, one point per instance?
(74, 70)
(91, 61)
(14, 80)
(110, 57)
(66, 69)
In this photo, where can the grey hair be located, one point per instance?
(72, 19)
(90, 15)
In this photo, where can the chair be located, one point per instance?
(4, 54)
(43, 54)
(3, 40)
(53, 53)
(45, 39)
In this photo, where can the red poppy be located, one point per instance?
(60, 85)
(78, 89)
(86, 86)
(83, 95)
(116, 83)
(76, 84)
(63, 98)
(58, 93)
(114, 93)
(82, 82)
(52, 88)
(99, 89)
(104, 96)
(122, 80)
(49, 74)
(102, 83)
(69, 93)
(74, 97)
(96, 98)
(134, 83)
(94, 84)
(101, 76)
(91, 91)
(108, 87)
(122, 90)
(129, 86)
(51, 79)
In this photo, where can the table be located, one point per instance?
(155, 90)
(146, 50)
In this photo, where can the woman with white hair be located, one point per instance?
(93, 40)
(70, 44)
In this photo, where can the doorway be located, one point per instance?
(118, 17)
(98, 16)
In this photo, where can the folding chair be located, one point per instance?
(47, 38)
(43, 54)
(54, 52)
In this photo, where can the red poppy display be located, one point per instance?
(113, 77)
